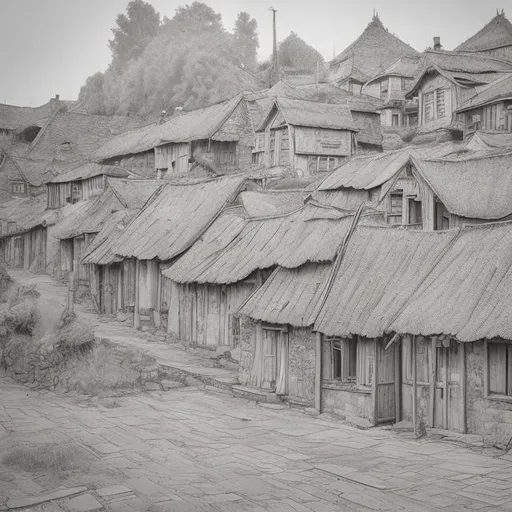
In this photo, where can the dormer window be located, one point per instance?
(18, 187)
(65, 146)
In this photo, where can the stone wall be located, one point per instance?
(489, 418)
(301, 368)
(347, 403)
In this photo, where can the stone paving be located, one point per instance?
(187, 450)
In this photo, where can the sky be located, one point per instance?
(50, 47)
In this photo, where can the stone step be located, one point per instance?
(256, 394)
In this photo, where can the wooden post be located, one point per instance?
(158, 304)
(463, 386)
(414, 385)
(398, 383)
(136, 313)
(446, 385)
(375, 380)
(318, 373)
(431, 403)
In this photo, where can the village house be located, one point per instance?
(367, 57)
(23, 232)
(81, 183)
(305, 137)
(445, 80)
(490, 109)
(425, 187)
(390, 87)
(210, 281)
(494, 39)
(79, 224)
(169, 224)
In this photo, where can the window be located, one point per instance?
(384, 84)
(441, 103)
(395, 207)
(18, 187)
(491, 117)
(395, 120)
(343, 359)
(499, 364)
(428, 106)
(414, 211)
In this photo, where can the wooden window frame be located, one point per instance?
(346, 351)
(491, 395)
(16, 184)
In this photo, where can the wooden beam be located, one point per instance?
(318, 373)
(463, 387)
(398, 384)
(375, 380)
(433, 360)
(414, 385)
(446, 385)
(136, 313)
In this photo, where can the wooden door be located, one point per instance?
(385, 383)
(275, 361)
(448, 407)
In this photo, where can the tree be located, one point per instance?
(134, 31)
(91, 95)
(246, 40)
(294, 53)
(195, 18)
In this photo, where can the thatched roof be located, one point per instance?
(27, 213)
(13, 117)
(90, 170)
(499, 90)
(496, 34)
(380, 270)
(30, 170)
(468, 293)
(71, 136)
(271, 202)
(90, 216)
(373, 51)
(463, 68)
(289, 296)
(311, 234)
(479, 188)
(99, 251)
(312, 114)
(176, 217)
(405, 66)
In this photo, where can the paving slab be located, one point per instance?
(36, 500)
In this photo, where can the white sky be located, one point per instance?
(50, 47)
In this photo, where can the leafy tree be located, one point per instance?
(197, 17)
(294, 52)
(134, 31)
(246, 40)
(91, 95)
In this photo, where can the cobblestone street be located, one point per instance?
(187, 450)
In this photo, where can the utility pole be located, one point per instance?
(274, 75)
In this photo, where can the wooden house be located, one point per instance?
(112, 278)
(233, 257)
(81, 183)
(445, 80)
(306, 137)
(490, 109)
(24, 225)
(169, 224)
(367, 57)
(219, 138)
(80, 223)
(390, 86)
(495, 38)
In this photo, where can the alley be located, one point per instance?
(187, 450)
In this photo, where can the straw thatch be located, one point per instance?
(26, 213)
(311, 234)
(468, 294)
(312, 114)
(381, 269)
(498, 90)
(90, 170)
(495, 34)
(271, 202)
(479, 188)
(176, 217)
(289, 296)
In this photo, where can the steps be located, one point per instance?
(256, 394)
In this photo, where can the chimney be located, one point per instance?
(178, 111)
(55, 103)
(437, 43)
(161, 118)
(57, 97)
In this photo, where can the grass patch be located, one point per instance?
(47, 458)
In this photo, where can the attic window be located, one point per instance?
(65, 146)
(18, 187)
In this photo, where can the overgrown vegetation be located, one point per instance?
(189, 61)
